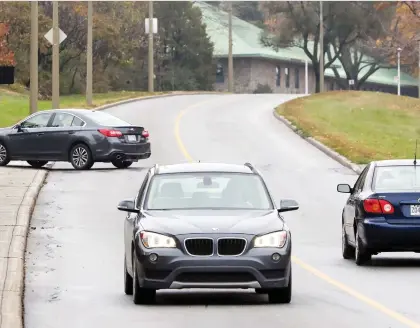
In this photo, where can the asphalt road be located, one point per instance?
(75, 260)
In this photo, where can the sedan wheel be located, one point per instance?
(37, 164)
(346, 249)
(4, 155)
(141, 295)
(81, 157)
(361, 255)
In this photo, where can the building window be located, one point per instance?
(220, 75)
(332, 86)
(296, 78)
(286, 71)
(278, 76)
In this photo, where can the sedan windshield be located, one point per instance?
(204, 190)
(398, 178)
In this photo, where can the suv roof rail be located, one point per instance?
(251, 167)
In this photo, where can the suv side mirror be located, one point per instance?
(127, 206)
(344, 188)
(18, 127)
(287, 205)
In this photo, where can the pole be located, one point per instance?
(399, 72)
(321, 48)
(230, 56)
(151, 64)
(306, 78)
(33, 105)
(419, 73)
(89, 54)
(55, 59)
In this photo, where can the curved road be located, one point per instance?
(74, 275)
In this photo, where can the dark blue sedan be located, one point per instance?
(382, 213)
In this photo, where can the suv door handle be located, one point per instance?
(71, 132)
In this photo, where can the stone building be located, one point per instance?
(283, 70)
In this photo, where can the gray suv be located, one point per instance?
(202, 225)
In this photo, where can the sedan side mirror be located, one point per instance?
(287, 205)
(127, 206)
(344, 188)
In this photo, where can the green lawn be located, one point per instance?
(362, 126)
(15, 105)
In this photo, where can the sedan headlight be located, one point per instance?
(156, 240)
(274, 239)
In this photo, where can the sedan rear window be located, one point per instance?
(207, 190)
(402, 178)
(106, 119)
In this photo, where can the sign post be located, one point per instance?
(55, 36)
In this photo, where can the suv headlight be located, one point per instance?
(273, 239)
(156, 240)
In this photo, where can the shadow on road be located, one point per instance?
(395, 262)
(71, 169)
(196, 298)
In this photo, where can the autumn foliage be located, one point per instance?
(7, 57)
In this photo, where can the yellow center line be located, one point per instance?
(372, 303)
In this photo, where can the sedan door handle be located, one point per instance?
(40, 134)
(71, 132)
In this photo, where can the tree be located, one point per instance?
(120, 45)
(294, 23)
(184, 53)
(348, 29)
(365, 55)
(7, 57)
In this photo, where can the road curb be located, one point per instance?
(12, 304)
(326, 150)
(171, 94)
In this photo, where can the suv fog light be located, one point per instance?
(153, 257)
(275, 257)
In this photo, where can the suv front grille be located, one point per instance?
(199, 246)
(231, 246)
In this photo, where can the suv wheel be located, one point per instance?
(128, 280)
(37, 164)
(4, 155)
(81, 157)
(281, 295)
(141, 295)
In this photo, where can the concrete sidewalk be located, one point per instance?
(19, 188)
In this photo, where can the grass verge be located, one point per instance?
(14, 104)
(360, 125)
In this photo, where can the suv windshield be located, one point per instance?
(207, 190)
(402, 178)
(106, 119)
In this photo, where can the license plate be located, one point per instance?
(415, 210)
(131, 138)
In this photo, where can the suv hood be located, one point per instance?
(204, 221)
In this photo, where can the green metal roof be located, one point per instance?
(246, 43)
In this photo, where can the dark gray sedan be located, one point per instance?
(79, 136)
(206, 226)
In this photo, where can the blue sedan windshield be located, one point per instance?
(398, 178)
